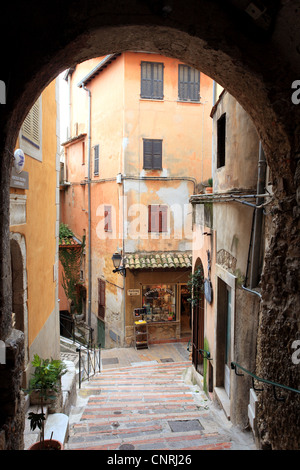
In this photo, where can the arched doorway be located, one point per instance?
(253, 57)
(19, 286)
(198, 317)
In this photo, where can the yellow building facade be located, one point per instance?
(34, 212)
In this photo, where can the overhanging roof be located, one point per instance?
(174, 260)
(96, 70)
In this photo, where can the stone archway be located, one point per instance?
(256, 60)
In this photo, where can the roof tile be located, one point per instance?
(158, 260)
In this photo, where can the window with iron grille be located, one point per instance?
(157, 218)
(152, 80)
(152, 154)
(221, 140)
(96, 160)
(188, 83)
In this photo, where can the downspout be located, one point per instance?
(89, 210)
(69, 107)
(257, 231)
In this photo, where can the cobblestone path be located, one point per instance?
(150, 407)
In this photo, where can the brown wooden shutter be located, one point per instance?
(163, 218)
(101, 299)
(158, 218)
(153, 214)
(107, 219)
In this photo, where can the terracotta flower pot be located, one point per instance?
(209, 190)
(49, 444)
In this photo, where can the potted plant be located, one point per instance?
(45, 382)
(209, 188)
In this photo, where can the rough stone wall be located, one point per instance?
(279, 327)
(12, 416)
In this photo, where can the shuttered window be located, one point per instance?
(152, 151)
(157, 218)
(188, 83)
(96, 160)
(107, 219)
(31, 125)
(152, 81)
(101, 299)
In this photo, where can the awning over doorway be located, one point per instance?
(156, 260)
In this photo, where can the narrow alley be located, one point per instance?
(145, 400)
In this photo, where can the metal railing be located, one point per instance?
(75, 329)
(235, 366)
(89, 362)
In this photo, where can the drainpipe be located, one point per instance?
(258, 223)
(69, 107)
(89, 209)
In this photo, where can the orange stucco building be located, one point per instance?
(139, 146)
(34, 218)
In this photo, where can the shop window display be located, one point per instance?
(159, 302)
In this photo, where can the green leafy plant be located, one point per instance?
(210, 182)
(195, 285)
(64, 233)
(70, 256)
(45, 381)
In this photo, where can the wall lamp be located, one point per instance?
(116, 259)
